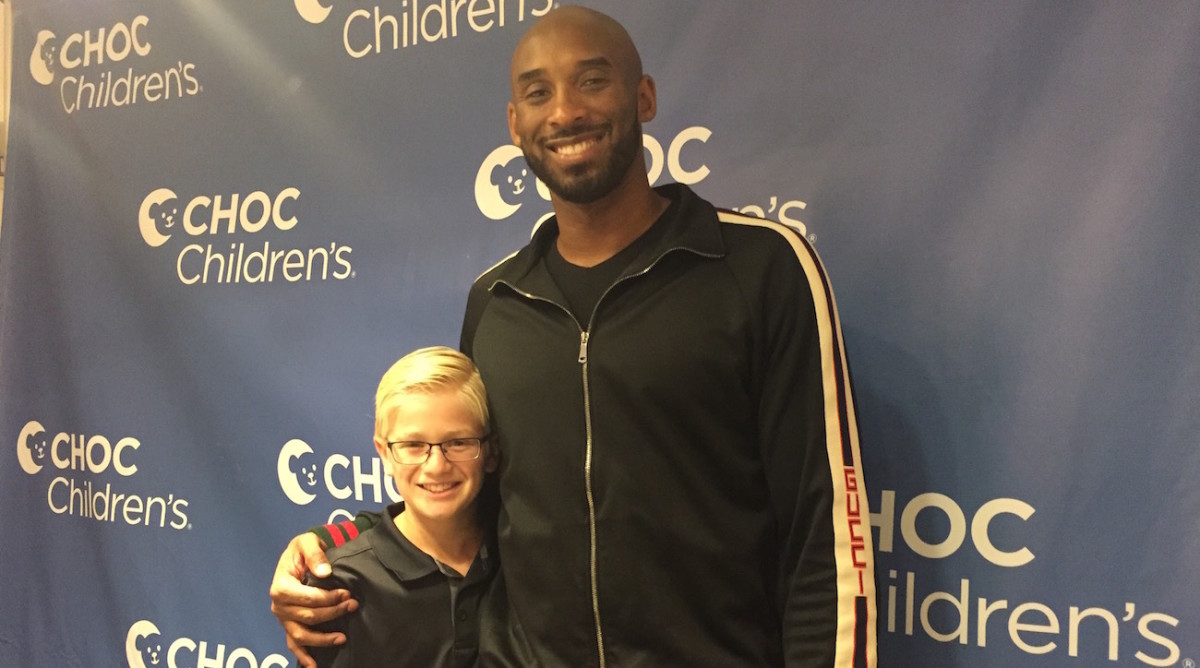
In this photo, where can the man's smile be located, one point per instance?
(576, 144)
(574, 149)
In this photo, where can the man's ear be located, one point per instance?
(512, 125)
(647, 97)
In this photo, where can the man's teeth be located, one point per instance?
(569, 150)
(438, 487)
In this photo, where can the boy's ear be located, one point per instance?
(382, 449)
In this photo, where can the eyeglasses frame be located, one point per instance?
(441, 446)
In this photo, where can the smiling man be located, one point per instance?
(681, 483)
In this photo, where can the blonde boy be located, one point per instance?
(420, 577)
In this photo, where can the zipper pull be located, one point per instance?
(583, 337)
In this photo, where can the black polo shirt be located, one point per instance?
(412, 610)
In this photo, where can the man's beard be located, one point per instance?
(584, 184)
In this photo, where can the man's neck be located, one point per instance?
(589, 234)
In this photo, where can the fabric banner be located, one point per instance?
(225, 219)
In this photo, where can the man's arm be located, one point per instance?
(811, 460)
(298, 606)
(476, 301)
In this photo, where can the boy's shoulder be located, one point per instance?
(352, 549)
(358, 560)
(371, 537)
(337, 533)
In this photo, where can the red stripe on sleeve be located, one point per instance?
(335, 532)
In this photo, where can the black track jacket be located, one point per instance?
(681, 483)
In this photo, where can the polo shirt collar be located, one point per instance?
(398, 554)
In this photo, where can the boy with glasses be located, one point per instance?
(425, 569)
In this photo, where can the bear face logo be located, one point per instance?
(37, 444)
(513, 184)
(305, 467)
(32, 444)
(503, 181)
(156, 216)
(296, 468)
(150, 646)
(45, 54)
(163, 214)
(49, 54)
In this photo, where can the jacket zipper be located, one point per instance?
(587, 460)
(591, 499)
(584, 335)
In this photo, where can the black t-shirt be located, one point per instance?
(584, 286)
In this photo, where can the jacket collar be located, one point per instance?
(692, 226)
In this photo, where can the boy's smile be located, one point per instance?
(436, 491)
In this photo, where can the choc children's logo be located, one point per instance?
(934, 526)
(105, 67)
(251, 224)
(91, 478)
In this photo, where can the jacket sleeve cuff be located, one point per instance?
(339, 533)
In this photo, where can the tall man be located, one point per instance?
(681, 483)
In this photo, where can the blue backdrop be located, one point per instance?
(225, 219)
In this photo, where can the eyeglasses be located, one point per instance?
(411, 453)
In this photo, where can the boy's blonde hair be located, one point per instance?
(428, 370)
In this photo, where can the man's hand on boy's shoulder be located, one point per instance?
(298, 606)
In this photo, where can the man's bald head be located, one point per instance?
(574, 24)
